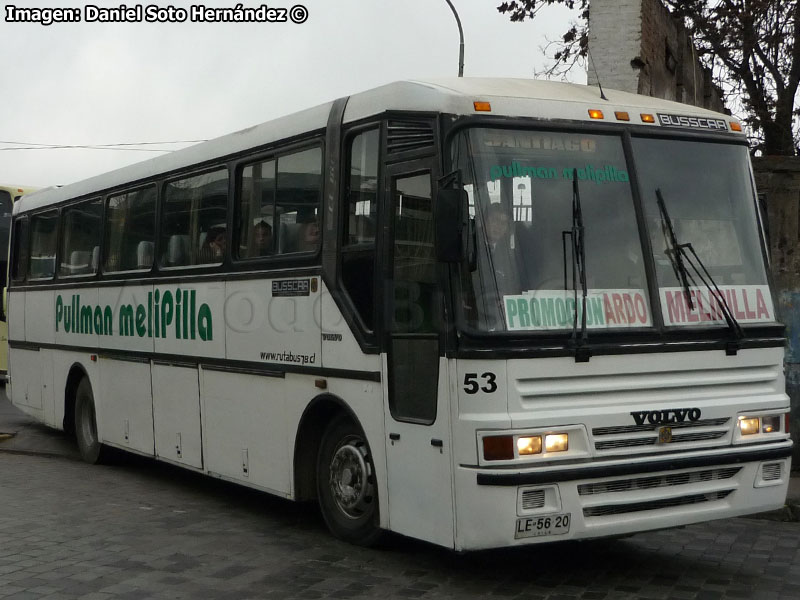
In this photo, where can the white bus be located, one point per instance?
(477, 312)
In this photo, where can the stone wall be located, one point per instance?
(638, 47)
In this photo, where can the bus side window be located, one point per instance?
(130, 230)
(19, 252)
(297, 201)
(358, 246)
(44, 230)
(195, 207)
(255, 206)
(80, 245)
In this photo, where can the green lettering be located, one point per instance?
(108, 320)
(59, 310)
(548, 312)
(86, 320)
(524, 317)
(204, 324)
(126, 320)
(141, 318)
(511, 312)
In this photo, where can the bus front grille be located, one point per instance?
(633, 436)
(618, 509)
(657, 481)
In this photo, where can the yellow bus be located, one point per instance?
(8, 195)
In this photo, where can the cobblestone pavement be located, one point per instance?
(140, 530)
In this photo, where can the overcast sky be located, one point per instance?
(107, 83)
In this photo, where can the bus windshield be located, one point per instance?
(520, 186)
(709, 197)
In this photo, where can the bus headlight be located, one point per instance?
(757, 427)
(529, 445)
(556, 442)
(748, 425)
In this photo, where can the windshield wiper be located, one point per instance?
(675, 255)
(582, 352)
(678, 256)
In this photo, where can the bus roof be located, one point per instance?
(508, 97)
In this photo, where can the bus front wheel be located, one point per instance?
(92, 451)
(346, 484)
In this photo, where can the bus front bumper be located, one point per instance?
(496, 508)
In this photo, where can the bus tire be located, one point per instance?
(92, 451)
(346, 484)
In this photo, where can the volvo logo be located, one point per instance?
(670, 415)
(665, 435)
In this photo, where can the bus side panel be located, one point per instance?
(176, 414)
(125, 417)
(40, 323)
(191, 319)
(74, 312)
(122, 303)
(125, 411)
(340, 349)
(248, 441)
(26, 393)
(16, 316)
(279, 327)
(36, 368)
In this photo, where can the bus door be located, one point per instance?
(418, 442)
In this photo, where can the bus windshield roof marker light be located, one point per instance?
(647, 118)
(595, 113)
(482, 106)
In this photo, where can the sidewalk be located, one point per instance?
(20, 433)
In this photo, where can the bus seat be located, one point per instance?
(144, 255)
(79, 262)
(178, 250)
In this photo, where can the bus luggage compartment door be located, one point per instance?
(176, 413)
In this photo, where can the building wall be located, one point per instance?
(778, 183)
(637, 46)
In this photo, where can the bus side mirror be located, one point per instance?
(450, 225)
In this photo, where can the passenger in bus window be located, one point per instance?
(213, 249)
(309, 236)
(262, 239)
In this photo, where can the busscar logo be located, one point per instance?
(285, 288)
(692, 122)
(670, 415)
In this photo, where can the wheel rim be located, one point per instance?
(350, 478)
(88, 428)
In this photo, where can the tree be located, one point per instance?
(751, 46)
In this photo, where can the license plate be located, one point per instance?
(541, 526)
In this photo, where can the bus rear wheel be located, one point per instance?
(346, 484)
(92, 451)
